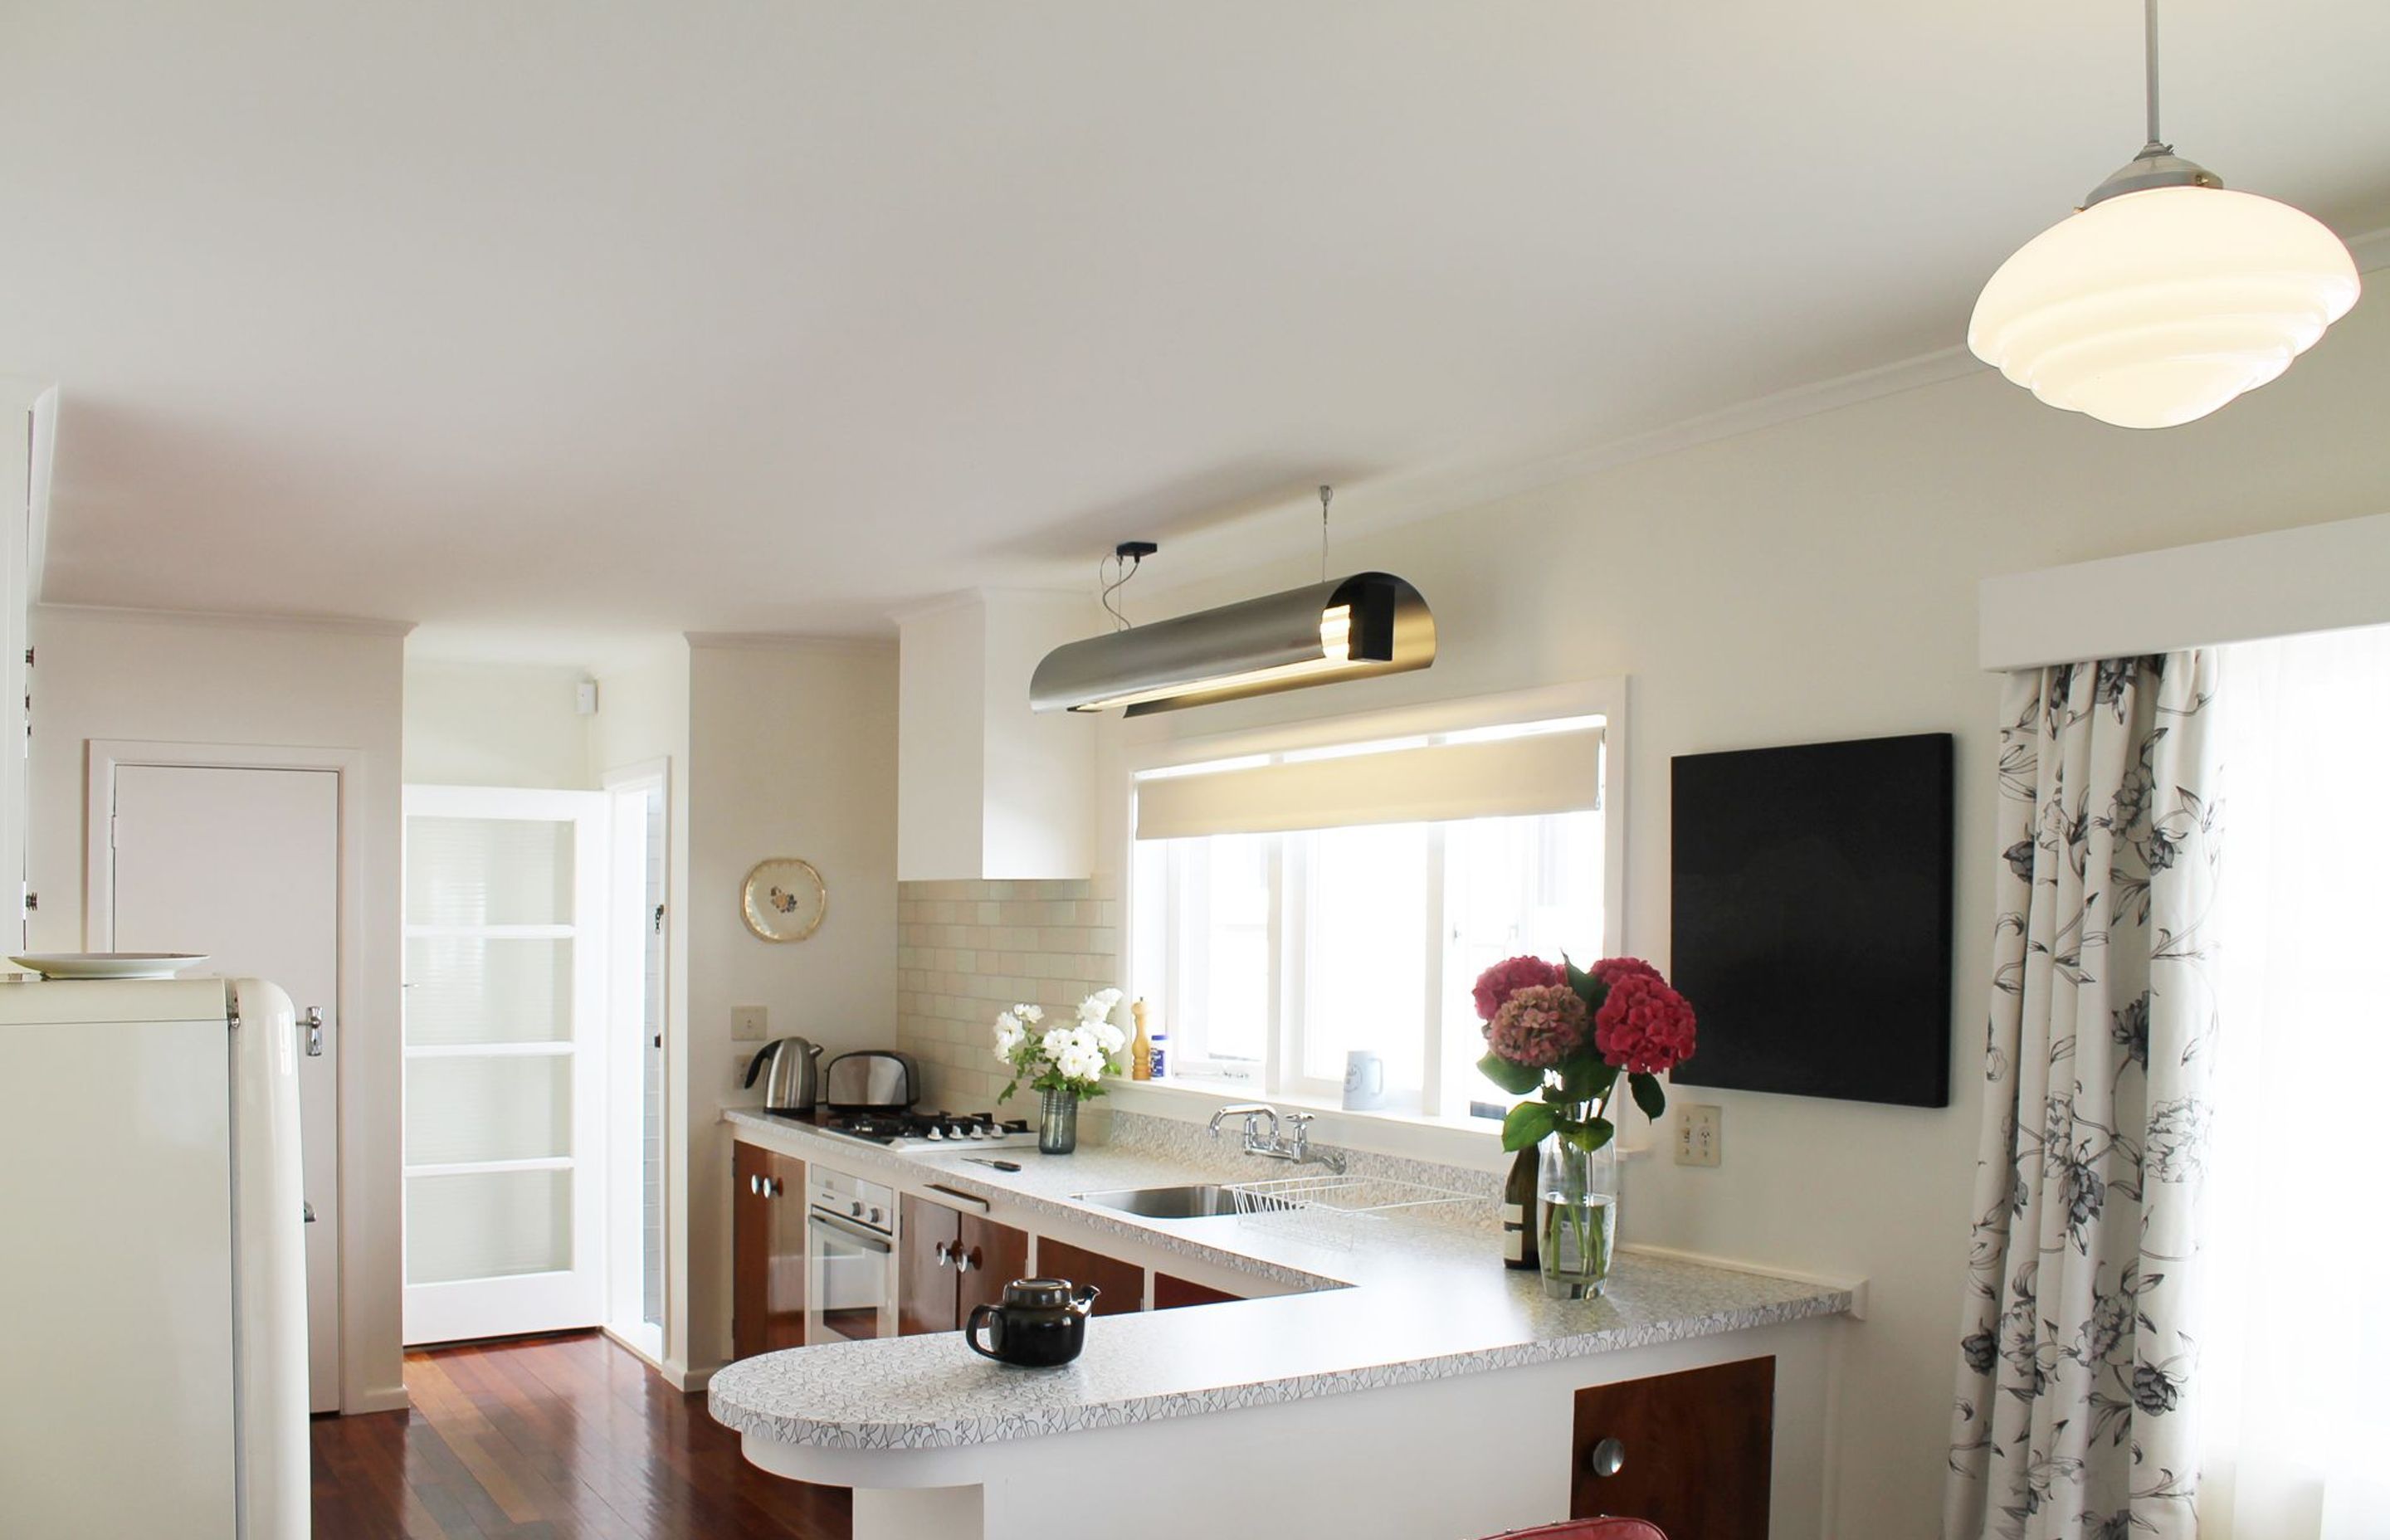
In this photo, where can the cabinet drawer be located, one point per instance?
(1693, 1451)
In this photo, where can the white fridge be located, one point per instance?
(153, 1285)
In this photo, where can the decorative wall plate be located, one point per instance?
(784, 899)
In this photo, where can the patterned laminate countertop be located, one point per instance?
(1400, 1303)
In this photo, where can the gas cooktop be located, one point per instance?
(912, 1130)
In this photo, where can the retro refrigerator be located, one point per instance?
(153, 1284)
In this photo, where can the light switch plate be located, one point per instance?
(1697, 1142)
(748, 1024)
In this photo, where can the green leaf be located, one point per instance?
(1592, 990)
(1592, 1135)
(1517, 1079)
(1583, 1077)
(1527, 1125)
(1649, 1096)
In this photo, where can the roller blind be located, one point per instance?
(1477, 777)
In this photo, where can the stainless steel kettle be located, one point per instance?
(793, 1083)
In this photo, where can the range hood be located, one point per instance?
(1354, 627)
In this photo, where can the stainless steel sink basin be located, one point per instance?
(1200, 1201)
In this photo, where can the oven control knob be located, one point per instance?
(936, 1132)
(856, 1208)
(875, 1216)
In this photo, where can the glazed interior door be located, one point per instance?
(244, 864)
(506, 1062)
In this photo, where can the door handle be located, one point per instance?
(306, 1212)
(314, 1021)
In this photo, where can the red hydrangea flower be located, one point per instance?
(1643, 1026)
(1538, 1025)
(1498, 983)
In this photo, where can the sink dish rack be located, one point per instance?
(1337, 1211)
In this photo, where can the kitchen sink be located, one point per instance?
(1200, 1201)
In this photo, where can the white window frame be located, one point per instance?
(1278, 1074)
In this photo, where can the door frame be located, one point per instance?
(626, 1088)
(103, 757)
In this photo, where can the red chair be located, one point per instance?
(1589, 1528)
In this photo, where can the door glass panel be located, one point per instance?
(488, 989)
(488, 871)
(488, 1224)
(514, 1108)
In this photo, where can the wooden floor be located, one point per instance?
(558, 1437)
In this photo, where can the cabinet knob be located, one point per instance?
(944, 1254)
(755, 1186)
(966, 1261)
(1606, 1459)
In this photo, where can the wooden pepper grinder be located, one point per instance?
(1140, 1050)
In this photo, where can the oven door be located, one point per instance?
(850, 1280)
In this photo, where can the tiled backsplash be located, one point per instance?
(967, 950)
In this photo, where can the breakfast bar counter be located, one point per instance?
(1403, 1345)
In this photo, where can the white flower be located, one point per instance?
(1080, 1063)
(1030, 1014)
(1099, 1006)
(1110, 1038)
(1056, 1043)
(1007, 1022)
(1008, 1036)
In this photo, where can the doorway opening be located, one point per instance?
(635, 1036)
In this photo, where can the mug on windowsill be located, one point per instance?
(1364, 1082)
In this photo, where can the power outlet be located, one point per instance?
(748, 1024)
(1697, 1142)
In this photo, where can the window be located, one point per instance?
(1290, 907)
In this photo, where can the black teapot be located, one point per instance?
(1042, 1323)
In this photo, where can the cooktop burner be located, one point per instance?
(913, 1130)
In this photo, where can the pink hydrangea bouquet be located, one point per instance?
(1570, 1033)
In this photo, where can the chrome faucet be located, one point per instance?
(1271, 1145)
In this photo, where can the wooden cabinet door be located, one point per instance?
(1170, 1294)
(1693, 1455)
(928, 1238)
(1122, 1283)
(767, 1252)
(996, 1255)
(784, 1293)
(751, 1244)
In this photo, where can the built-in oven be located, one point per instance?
(850, 1257)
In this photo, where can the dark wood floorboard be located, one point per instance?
(560, 1438)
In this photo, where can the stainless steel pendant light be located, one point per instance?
(1354, 627)
(2165, 296)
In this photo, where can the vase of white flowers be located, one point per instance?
(1063, 1064)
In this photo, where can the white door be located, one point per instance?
(505, 1062)
(245, 865)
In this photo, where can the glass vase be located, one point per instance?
(1058, 1123)
(1577, 1189)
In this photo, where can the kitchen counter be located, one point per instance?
(1406, 1302)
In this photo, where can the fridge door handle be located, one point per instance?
(313, 1020)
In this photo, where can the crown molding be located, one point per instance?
(228, 620)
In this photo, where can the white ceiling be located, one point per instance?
(625, 318)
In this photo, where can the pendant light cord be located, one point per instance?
(1324, 493)
(2150, 61)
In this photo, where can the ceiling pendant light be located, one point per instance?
(1336, 629)
(2165, 296)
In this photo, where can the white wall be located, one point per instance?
(793, 752)
(1815, 580)
(125, 674)
(496, 724)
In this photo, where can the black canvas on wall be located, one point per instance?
(1812, 918)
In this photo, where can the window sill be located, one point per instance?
(1472, 1143)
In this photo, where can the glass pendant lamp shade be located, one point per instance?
(2152, 308)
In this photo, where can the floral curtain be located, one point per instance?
(2078, 1375)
